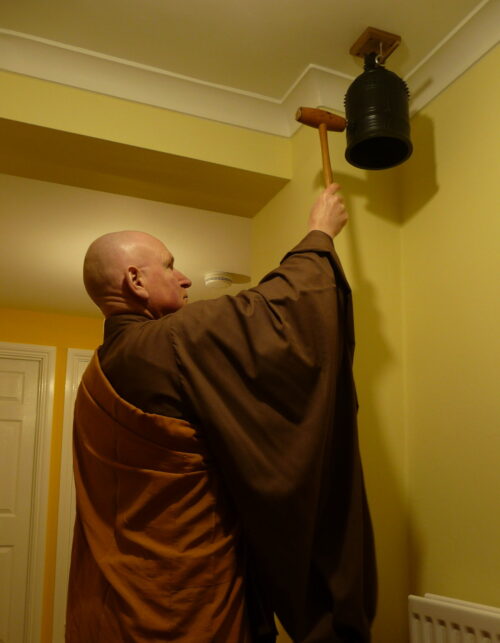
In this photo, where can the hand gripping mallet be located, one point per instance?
(324, 121)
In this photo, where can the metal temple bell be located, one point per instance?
(378, 121)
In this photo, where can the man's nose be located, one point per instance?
(184, 281)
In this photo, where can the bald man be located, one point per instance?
(217, 469)
(133, 272)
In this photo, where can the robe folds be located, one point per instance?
(155, 549)
(265, 378)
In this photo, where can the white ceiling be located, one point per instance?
(259, 52)
(259, 46)
(245, 63)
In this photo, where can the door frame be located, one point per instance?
(46, 358)
(77, 358)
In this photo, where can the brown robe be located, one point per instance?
(266, 377)
(155, 547)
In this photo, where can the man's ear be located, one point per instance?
(135, 282)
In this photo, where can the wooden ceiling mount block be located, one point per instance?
(375, 41)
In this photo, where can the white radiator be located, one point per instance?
(437, 619)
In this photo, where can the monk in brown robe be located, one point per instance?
(217, 469)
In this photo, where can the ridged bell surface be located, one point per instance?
(378, 122)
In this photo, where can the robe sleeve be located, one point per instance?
(250, 367)
(259, 373)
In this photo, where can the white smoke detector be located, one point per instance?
(218, 279)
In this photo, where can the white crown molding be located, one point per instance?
(84, 69)
(454, 55)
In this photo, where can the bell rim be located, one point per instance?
(409, 151)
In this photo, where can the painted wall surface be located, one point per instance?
(47, 228)
(62, 331)
(420, 253)
(66, 135)
(47, 104)
(370, 249)
(451, 268)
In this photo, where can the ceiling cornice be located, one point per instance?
(317, 86)
(467, 43)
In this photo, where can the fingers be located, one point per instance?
(335, 200)
(329, 213)
(332, 188)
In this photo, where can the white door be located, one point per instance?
(23, 458)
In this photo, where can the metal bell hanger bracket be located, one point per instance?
(375, 41)
(376, 106)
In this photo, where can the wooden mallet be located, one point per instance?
(324, 121)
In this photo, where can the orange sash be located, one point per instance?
(155, 547)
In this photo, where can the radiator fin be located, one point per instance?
(438, 619)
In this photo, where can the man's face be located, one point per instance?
(167, 286)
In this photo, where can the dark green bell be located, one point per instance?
(378, 121)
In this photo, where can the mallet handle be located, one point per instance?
(325, 155)
(324, 121)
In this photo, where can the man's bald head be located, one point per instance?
(109, 256)
(131, 271)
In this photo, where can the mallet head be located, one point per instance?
(316, 117)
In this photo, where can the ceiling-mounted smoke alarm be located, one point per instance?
(218, 279)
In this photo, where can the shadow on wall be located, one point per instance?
(417, 182)
(414, 183)
(386, 491)
(379, 369)
(377, 358)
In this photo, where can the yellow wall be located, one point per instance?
(50, 105)
(419, 252)
(63, 332)
(370, 249)
(451, 233)
(76, 137)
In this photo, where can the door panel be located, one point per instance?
(19, 385)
